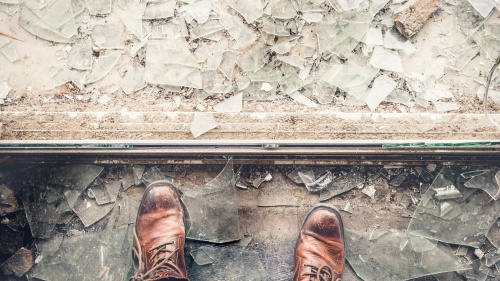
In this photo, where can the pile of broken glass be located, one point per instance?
(322, 51)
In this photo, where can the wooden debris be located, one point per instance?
(412, 16)
(10, 36)
(20, 263)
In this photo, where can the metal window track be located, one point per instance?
(251, 152)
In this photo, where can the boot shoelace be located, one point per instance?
(162, 263)
(323, 273)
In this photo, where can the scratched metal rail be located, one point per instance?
(254, 152)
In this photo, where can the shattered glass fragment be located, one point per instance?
(297, 96)
(250, 10)
(80, 55)
(385, 59)
(159, 10)
(152, 175)
(245, 265)
(132, 19)
(459, 61)
(445, 106)
(76, 177)
(447, 192)
(295, 176)
(233, 104)
(282, 9)
(9, 51)
(369, 190)
(32, 23)
(312, 17)
(199, 10)
(99, 7)
(103, 66)
(201, 257)
(213, 210)
(282, 48)
(435, 68)
(205, 29)
(394, 40)
(19, 263)
(202, 123)
(133, 80)
(342, 184)
(373, 36)
(351, 79)
(382, 87)
(486, 181)
(399, 179)
(239, 31)
(107, 36)
(484, 7)
(89, 211)
(344, 5)
(275, 27)
(476, 209)
(397, 262)
(65, 75)
(277, 194)
(175, 28)
(42, 216)
(319, 183)
(494, 234)
(169, 62)
(348, 31)
(292, 61)
(377, 232)
(376, 6)
(253, 60)
(227, 65)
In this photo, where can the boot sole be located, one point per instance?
(320, 206)
(185, 213)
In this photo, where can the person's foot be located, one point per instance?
(160, 235)
(319, 253)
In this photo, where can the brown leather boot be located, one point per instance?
(160, 235)
(319, 253)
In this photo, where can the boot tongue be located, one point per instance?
(161, 254)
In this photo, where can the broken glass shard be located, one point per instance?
(170, 62)
(250, 10)
(227, 65)
(199, 10)
(400, 262)
(376, 6)
(494, 234)
(445, 106)
(351, 79)
(319, 183)
(9, 51)
(484, 7)
(385, 59)
(99, 7)
(282, 9)
(76, 177)
(213, 209)
(277, 193)
(297, 96)
(282, 48)
(239, 31)
(476, 209)
(159, 10)
(65, 75)
(275, 27)
(202, 123)
(41, 215)
(377, 232)
(19, 263)
(201, 257)
(132, 19)
(447, 192)
(486, 181)
(345, 5)
(205, 29)
(342, 184)
(103, 66)
(152, 175)
(435, 68)
(32, 23)
(373, 36)
(394, 40)
(382, 87)
(369, 190)
(89, 211)
(306, 172)
(133, 80)
(107, 36)
(233, 104)
(458, 62)
(80, 55)
(245, 265)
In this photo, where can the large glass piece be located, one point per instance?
(239, 31)
(386, 60)
(32, 23)
(382, 87)
(397, 256)
(213, 209)
(202, 123)
(444, 219)
(342, 184)
(352, 79)
(487, 181)
(250, 10)
(103, 66)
